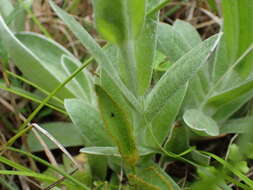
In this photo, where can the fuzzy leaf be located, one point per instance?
(187, 32)
(118, 126)
(200, 123)
(151, 177)
(238, 29)
(178, 75)
(38, 66)
(87, 119)
(97, 52)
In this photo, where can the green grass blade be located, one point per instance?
(28, 95)
(227, 165)
(34, 85)
(82, 82)
(23, 130)
(67, 176)
(29, 174)
(14, 164)
(7, 185)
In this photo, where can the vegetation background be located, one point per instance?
(22, 161)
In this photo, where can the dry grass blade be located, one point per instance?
(61, 147)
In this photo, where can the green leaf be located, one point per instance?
(88, 121)
(163, 122)
(61, 131)
(238, 28)
(225, 103)
(146, 45)
(50, 55)
(230, 167)
(98, 165)
(151, 177)
(119, 21)
(178, 75)
(221, 61)
(81, 84)
(237, 125)
(29, 174)
(6, 8)
(200, 123)
(107, 82)
(13, 16)
(123, 23)
(231, 94)
(97, 53)
(47, 164)
(187, 32)
(13, 164)
(118, 126)
(231, 27)
(8, 185)
(171, 43)
(223, 112)
(213, 5)
(35, 64)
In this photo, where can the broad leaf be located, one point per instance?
(118, 126)
(187, 32)
(163, 122)
(171, 43)
(178, 75)
(35, 65)
(87, 119)
(200, 123)
(50, 53)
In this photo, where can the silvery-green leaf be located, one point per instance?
(87, 119)
(37, 57)
(200, 123)
(178, 75)
(118, 125)
(187, 32)
(97, 52)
